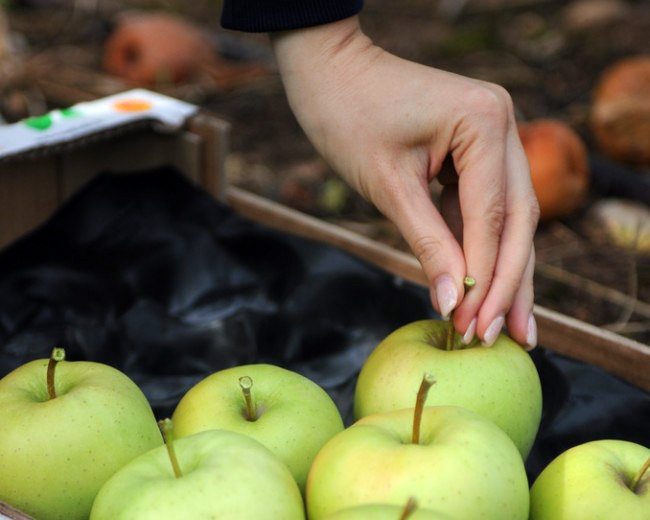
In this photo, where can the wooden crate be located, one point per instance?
(32, 188)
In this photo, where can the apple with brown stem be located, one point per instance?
(285, 411)
(66, 428)
(211, 474)
(449, 459)
(498, 382)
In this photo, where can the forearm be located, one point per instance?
(318, 66)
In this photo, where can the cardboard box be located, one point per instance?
(36, 182)
(40, 168)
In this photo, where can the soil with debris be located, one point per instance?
(548, 54)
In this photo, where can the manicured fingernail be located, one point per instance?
(446, 294)
(469, 333)
(492, 332)
(531, 333)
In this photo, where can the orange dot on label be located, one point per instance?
(131, 105)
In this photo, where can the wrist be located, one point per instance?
(317, 45)
(318, 65)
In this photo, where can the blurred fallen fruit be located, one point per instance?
(593, 14)
(626, 223)
(620, 118)
(559, 166)
(152, 49)
(334, 196)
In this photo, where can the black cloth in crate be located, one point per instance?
(149, 274)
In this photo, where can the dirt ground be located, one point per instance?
(548, 54)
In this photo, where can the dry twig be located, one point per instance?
(575, 281)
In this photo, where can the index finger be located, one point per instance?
(480, 159)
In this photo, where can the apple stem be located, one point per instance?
(468, 282)
(167, 430)
(637, 480)
(427, 382)
(246, 383)
(409, 508)
(450, 333)
(58, 354)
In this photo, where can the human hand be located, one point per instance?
(387, 125)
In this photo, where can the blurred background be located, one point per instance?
(578, 72)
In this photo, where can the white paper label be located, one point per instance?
(88, 118)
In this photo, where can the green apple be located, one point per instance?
(66, 428)
(288, 413)
(211, 474)
(449, 459)
(388, 512)
(498, 382)
(597, 480)
(385, 512)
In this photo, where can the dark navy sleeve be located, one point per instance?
(282, 15)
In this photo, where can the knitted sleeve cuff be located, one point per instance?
(282, 15)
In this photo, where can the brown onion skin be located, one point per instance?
(620, 115)
(559, 166)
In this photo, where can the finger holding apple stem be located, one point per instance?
(468, 282)
(58, 354)
(427, 382)
(409, 508)
(246, 383)
(167, 430)
(637, 480)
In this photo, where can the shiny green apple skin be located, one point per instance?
(464, 467)
(55, 454)
(296, 416)
(385, 512)
(498, 382)
(224, 475)
(591, 481)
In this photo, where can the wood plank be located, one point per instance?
(215, 134)
(623, 357)
(8, 512)
(289, 220)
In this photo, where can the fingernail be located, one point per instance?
(492, 332)
(446, 294)
(469, 333)
(531, 333)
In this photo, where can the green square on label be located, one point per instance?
(39, 122)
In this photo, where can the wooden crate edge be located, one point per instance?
(623, 357)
